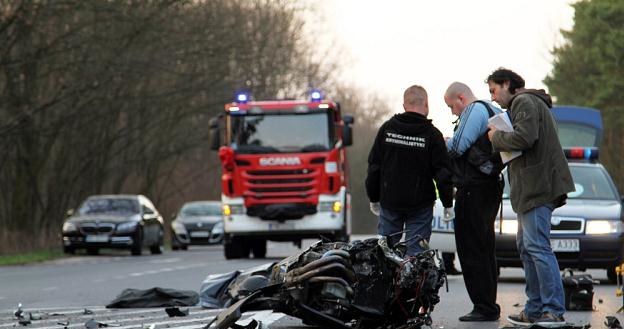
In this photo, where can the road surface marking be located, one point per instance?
(49, 288)
(166, 260)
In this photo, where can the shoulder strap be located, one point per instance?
(487, 106)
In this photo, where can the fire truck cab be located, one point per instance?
(284, 172)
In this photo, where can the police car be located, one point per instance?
(584, 233)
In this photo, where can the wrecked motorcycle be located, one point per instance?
(362, 284)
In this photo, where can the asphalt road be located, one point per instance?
(82, 281)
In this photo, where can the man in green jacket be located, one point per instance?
(539, 180)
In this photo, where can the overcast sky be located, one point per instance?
(393, 44)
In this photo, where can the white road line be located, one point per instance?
(49, 288)
(164, 261)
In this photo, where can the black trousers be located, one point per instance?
(476, 207)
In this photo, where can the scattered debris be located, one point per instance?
(19, 313)
(599, 300)
(24, 322)
(516, 305)
(92, 324)
(149, 326)
(566, 326)
(612, 322)
(175, 311)
(251, 325)
(87, 311)
(154, 297)
(64, 324)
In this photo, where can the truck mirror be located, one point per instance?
(215, 137)
(347, 135)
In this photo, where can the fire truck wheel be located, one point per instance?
(341, 236)
(234, 248)
(259, 249)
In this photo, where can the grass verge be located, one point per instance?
(30, 257)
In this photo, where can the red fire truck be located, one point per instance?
(284, 172)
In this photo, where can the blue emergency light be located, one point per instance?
(316, 96)
(581, 153)
(242, 98)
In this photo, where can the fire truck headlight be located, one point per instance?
(337, 206)
(234, 209)
(330, 206)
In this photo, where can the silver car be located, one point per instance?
(585, 233)
(197, 223)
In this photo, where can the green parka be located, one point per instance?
(541, 174)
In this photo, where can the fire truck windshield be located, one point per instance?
(281, 132)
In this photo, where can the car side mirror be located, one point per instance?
(69, 212)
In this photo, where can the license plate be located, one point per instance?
(281, 226)
(199, 234)
(565, 245)
(97, 238)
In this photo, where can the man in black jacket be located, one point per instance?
(407, 156)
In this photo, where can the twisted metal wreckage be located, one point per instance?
(362, 284)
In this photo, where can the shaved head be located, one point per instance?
(414, 96)
(458, 95)
(457, 88)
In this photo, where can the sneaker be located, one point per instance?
(550, 320)
(521, 319)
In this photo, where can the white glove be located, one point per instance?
(375, 208)
(449, 215)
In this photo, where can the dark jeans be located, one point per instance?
(417, 222)
(476, 207)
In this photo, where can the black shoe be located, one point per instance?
(453, 271)
(475, 316)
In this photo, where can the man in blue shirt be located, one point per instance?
(476, 175)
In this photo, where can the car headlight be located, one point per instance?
(69, 227)
(510, 226)
(603, 226)
(234, 209)
(217, 228)
(126, 227)
(178, 227)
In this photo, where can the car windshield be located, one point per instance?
(201, 210)
(109, 205)
(590, 182)
(281, 133)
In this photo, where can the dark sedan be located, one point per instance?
(197, 223)
(114, 221)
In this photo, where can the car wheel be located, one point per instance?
(612, 276)
(137, 247)
(174, 247)
(93, 251)
(259, 248)
(158, 248)
(185, 247)
(69, 250)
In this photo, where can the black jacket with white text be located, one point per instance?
(408, 154)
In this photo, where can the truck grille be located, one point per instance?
(93, 228)
(281, 183)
